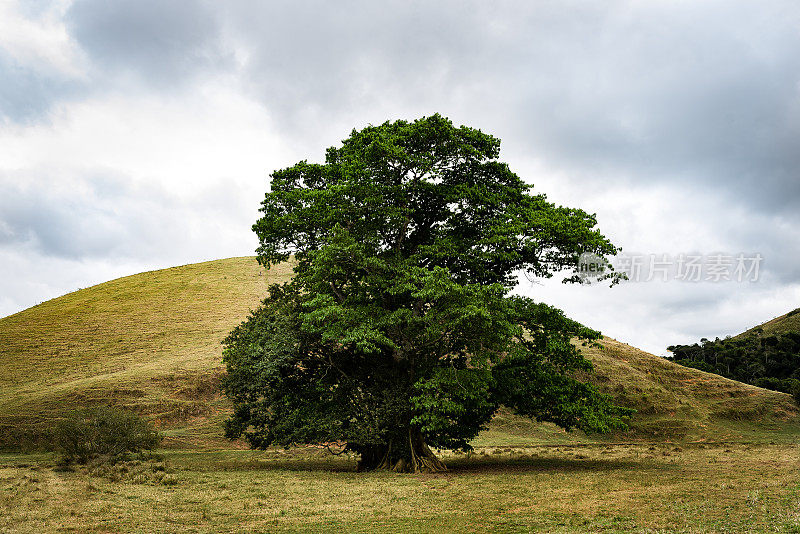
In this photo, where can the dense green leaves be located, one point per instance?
(398, 328)
(431, 194)
(451, 405)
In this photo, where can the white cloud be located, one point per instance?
(41, 43)
(116, 183)
(181, 142)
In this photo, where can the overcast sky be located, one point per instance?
(140, 134)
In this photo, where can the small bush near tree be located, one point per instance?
(104, 431)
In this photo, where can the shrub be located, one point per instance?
(769, 382)
(796, 391)
(103, 431)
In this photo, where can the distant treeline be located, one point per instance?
(767, 361)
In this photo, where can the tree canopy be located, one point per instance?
(399, 331)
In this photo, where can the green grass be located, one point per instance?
(151, 342)
(584, 488)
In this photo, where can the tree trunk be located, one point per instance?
(422, 458)
(372, 457)
(413, 456)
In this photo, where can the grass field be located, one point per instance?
(584, 488)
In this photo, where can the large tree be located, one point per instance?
(398, 331)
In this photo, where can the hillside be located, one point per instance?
(789, 322)
(151, 342)
(767, 355)
(679, 402)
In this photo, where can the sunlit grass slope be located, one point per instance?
(679, 402)
(673, 403)
(151, 342)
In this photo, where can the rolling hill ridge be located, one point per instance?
(151, 343)
(788, 322)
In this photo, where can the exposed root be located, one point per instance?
(422, 458)
(417, 458)
(386, 462)
(400, 466)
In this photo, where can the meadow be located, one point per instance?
(662, 487)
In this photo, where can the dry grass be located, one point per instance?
(788, 322)
(622, 488)
(149, 341)
(680, 403)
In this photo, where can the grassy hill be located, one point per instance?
(789, 322)
(151, 342)
(679, 402)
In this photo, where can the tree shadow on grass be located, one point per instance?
(532, 465)
(455, 466)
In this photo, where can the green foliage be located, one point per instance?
(451, 405)
(398, 329)
(767, 361)
(796, 391)
(535, 376)
(103, 431)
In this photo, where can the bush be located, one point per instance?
(775, 384)
(103, 431)
(796, 391)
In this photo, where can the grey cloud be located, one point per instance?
(776, 237)
(79, 221)
(320, 62)
(104, 215)
(706, 94)
(708, 97)
(26, 94)
(162, 43)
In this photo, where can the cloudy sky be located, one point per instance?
(140, 134)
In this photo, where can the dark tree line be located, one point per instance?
(767, 361)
